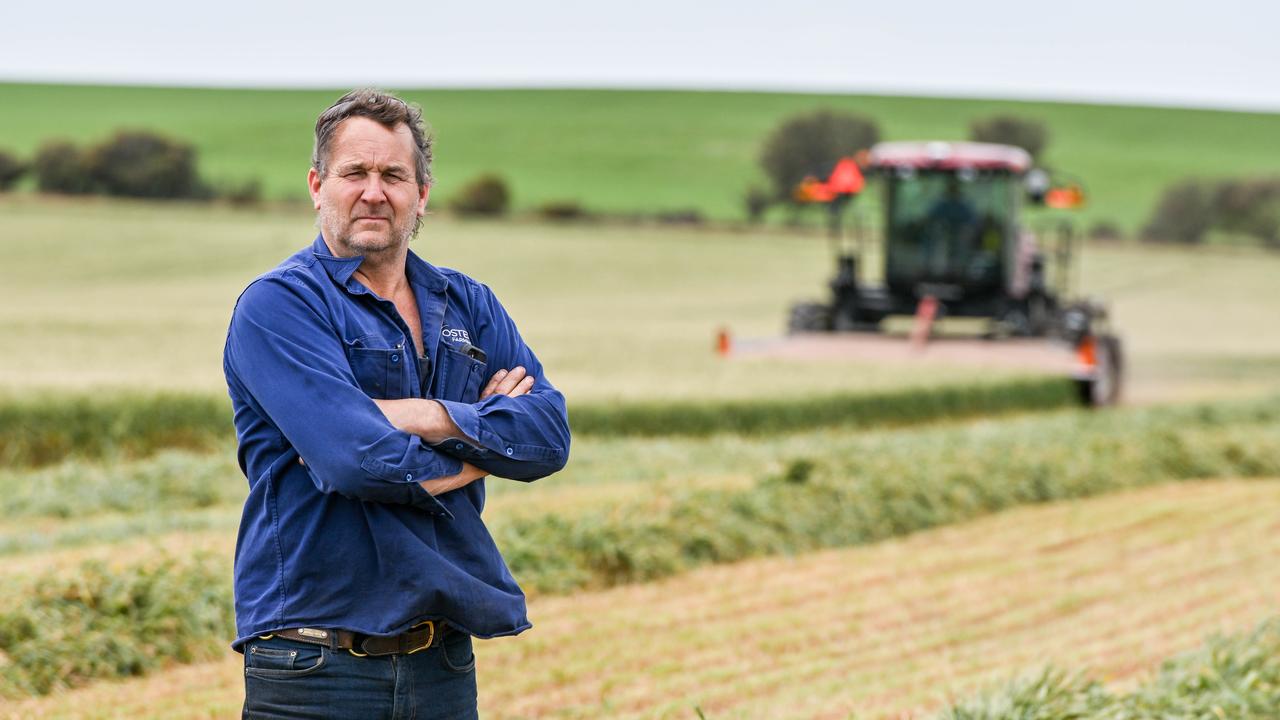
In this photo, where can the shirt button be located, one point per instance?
(458, 446)
(408, 476)
(511, 451)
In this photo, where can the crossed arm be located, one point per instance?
(430, 421)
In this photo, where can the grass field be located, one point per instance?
(636, 151)
(613, 510)
(135, 295)
(1113, 584)
(128, 297)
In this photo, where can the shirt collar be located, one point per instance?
(419, 271)
(339, 268)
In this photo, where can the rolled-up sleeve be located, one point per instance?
(520, 438)
(290, 360)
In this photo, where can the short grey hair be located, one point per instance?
(385, 109)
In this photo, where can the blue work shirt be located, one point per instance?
(350, 540)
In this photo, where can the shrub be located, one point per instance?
(1030, 135)
(145, 164)
(688, 216)
(1105, 231)
(487, 195)
(1249, 206)
(1184, 213)
(811, 144)
(61, 167)
(561, 210)
(11, 170)
(1190, 208)
(242, 194)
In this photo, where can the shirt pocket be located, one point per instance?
(460, 376)
(381, 372)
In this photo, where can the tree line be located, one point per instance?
(130, 163)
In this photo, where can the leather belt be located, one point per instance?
(420, 637)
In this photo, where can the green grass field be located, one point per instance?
(110, 297)
(124, 294)
(638, 151)
(1113, 585)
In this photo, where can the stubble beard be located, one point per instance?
(340, 232)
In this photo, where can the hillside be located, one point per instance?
(641, 151)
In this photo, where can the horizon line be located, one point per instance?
(972, 94)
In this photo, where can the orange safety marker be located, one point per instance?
(1087, 352)
(926, 313)
(724, 344)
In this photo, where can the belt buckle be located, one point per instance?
(431, 636)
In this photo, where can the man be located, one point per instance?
(368, 413)
(951, 226)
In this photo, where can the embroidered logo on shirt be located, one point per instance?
(455, 336)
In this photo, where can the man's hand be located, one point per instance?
(439, 486)
(513, 383)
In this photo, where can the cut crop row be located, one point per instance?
(889, 486)
(103, 623)
(1230, 677)
(43, 430)
(840, 628)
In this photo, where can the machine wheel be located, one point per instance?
(809, 317)
(1104, 389)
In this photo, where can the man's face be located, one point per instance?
(368, 200)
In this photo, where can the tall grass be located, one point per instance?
(1229, 678)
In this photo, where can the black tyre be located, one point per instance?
(809, 317)
(1104, 388)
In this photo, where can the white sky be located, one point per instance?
(1221, 54)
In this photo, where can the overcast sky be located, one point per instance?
(1219, 54)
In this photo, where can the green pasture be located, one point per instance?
(642, 151)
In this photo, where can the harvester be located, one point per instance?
(952, 244)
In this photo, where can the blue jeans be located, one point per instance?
(288, 679)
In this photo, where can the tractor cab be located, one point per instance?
(949, 230)
(948, 233)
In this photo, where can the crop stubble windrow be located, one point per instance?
(879, 652)
(1112, 584)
